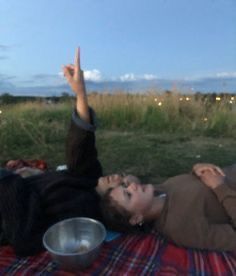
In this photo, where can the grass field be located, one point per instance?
(152, 136)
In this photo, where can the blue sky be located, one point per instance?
(121, 41)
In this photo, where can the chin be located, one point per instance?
(103, 181)
(149, 188)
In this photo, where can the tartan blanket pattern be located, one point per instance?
(129, 255)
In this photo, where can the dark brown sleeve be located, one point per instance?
(81, 152)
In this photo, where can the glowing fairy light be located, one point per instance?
(218, 98)
(230, 102)
(187, 99)
(0, 111)
(160, 103)
(232, 99)
(180, 99)
(205, 119)
(155, 99)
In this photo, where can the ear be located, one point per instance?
(136, 219)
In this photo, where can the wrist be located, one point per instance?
(216, 185)
(219, 183)
(79, 91)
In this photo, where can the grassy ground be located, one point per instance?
(154, 157)
(136, 135)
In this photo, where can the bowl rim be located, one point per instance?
(59, 253)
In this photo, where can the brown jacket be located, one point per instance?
(198, 217)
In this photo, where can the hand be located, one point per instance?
(27, 171)
(212, 179)
(211, 175)
(200, 168)
(74, 75)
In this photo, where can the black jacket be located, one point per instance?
(28, 206)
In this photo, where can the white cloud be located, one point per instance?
(220, 75)
(133, 77)
(93, 75)
(149, 77)
(128, 77)
(96, 76)
(226, 75)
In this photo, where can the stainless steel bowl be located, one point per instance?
(74, 243)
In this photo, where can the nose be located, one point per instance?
(132, 186)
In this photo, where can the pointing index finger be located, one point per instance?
(77, 59)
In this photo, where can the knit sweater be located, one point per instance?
(28, 206)
(196, 216)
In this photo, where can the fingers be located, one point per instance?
(77, 60)
(199, 169)
(208, 170)
(202, 170)
(73, 73)
(71, 66)
(219, 170)
(67, 73)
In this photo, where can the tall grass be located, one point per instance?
(166, 113)
(35, 129)
(32, 128)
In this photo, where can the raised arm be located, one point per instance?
(75, 78)
(81, 153)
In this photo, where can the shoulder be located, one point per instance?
(183, 181)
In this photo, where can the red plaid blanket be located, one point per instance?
(129, 255)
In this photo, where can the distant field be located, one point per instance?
(153, 136)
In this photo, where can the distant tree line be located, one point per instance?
(7, 98)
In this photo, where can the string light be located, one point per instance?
(0, 111)
(218, 98)
(230, 102)
(205, 119)
(155, 99)
(232, 98)
(187, 99)
(180, 99)
(160, 103)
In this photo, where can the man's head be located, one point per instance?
(125, 207)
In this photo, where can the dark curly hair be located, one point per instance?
(117, 218)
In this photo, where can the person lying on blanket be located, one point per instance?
(195, 210)
(29, 205)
